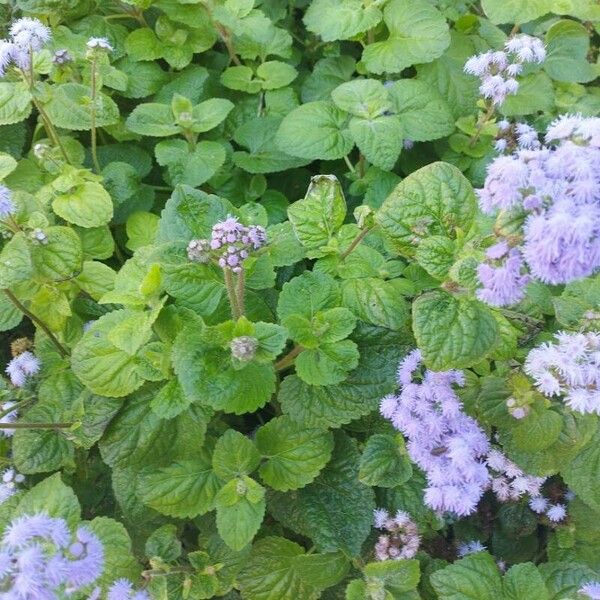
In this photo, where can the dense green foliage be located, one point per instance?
(350, 132)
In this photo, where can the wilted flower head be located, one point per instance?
(7, 206)
(42, 559)
(401, 540)
(21, 367)
(446, 443)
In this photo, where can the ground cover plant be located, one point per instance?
(300, 299)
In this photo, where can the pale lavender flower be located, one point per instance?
(570, 368)
(471, 547)
(21, 367)
(122, 589)
(10, 484)
(99, 43)
(442, 440)
(591, 589)
(7, 52)
(539, 505)
(503, 277)
(556, 512)
(29, 33)
(199, 251)
(10, 417)
(508, 481)
(7, 206)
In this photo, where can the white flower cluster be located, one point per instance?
(569, 368)
(401, 540)
(499, 69)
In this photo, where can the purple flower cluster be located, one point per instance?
(446, 443)
(21, 367)
(26, 35)
(569, 368)
(7, 206)
(499, 69)
(40, 559)
(556, 189)
(230, 244)
(122, 589)
(401, 540)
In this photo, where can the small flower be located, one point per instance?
(556, 512)
(401, 540)
(62, 57)
(20, 368)
(99, 43)
(471, 547)
(244, 348)
(7, 206)
(591, 589)
(29, 33)
(539, 504)
(122, 589)
(198, 251)
(39, 237)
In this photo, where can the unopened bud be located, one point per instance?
(244, 347)
(198, 251)
(62, 57)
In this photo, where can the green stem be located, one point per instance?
(350, 165)
(289, 358)
(229, 285)
(93, 116)
(61, 349)
(50, 130)
(240, 292)
(355, 242)
(481, 124)
(35, 425)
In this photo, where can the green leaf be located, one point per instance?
(376, 301)
(15, 261)
(102, 366)
(567, 48)
(208, 114)
(276, 74)
(234, 455)
(206, 375)
(7, 164)
(385, 462)
(340, 19)
(319, 215)
(52, 497)
(536, 93)
(537, 431)
(328, 364)
(240, 511)
(418, 34)
(358, 395)
(314, 511)
(240, 78)
(475, 577)
(119, 561)
(170, 400)
(184, 489)
(279, 568)
(294, 454)
(164, 543)
(15, 102)
(307, 294)
(60, 258)
(95, 278)
(153, 119)
(87, 205)
(515, 11)
(70, 107)
(436, 255)
(379, 139)
(523, 582)
(10, 315)
(190, 167)
(582, 474)
(396, 576)
(315, 130)
(434, 200)
(365, 98)
(453, 333)
(564, 579)
(42, 450)
(423, 112)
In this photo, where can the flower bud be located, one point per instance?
(244, 347)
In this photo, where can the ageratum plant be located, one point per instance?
(300, 300)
